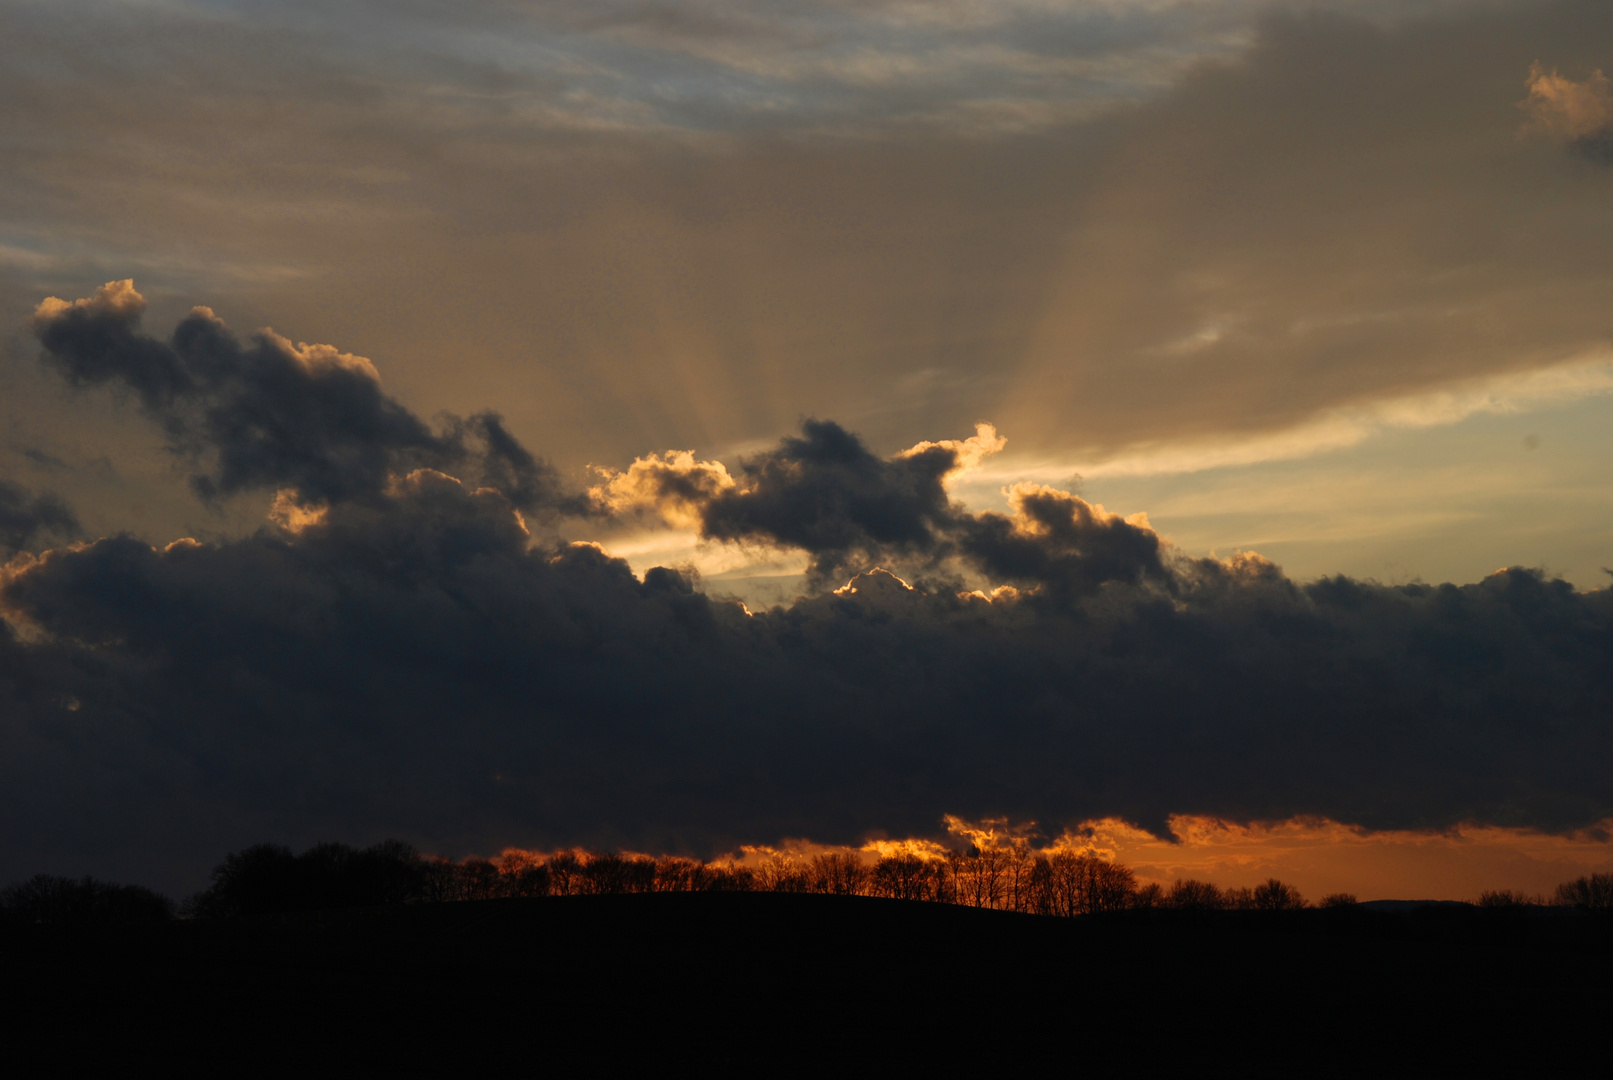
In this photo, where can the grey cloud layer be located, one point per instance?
(1346, 211)
(410, 662)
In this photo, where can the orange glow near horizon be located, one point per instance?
(1317, 856)
(1320, 857)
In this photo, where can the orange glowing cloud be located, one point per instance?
(672, 484)
(1574, 109)
(116, 298)
(970, 452)
(1320, 856)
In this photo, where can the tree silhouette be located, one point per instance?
(1273, 895)
(565, 873)
(268, 878)
(46, 900)
(1191, 895)
(839, 874)
(1148, 897)
(902, 877)
(1593, 894)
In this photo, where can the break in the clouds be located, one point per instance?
(413, 660)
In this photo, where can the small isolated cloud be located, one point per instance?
(1580, 112)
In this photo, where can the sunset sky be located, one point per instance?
(1171, 355)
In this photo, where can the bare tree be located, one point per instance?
(727, 878)
(783, 873)
(47, 900)
(839, 873)
(1110, 886)
(902, 877)
(477, 879)
(1593, 894)
(565, 873)
(604, 874)
(1238, 898)
(523, 874)
(1191, 895)
(990, 868)
(1020, 873)
(1507, 898)
(1274, 895)
(437, 879)
(673, 874)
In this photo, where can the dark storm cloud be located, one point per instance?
(1060, 543)
(825, 493)
(26, 517)
(272, 414)
(412, 662)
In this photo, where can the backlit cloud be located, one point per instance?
(768, 265)
(409, 657)
(1581, 112)
(308, 419)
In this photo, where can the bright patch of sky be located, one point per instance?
(1447, 503)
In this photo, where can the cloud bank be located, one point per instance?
(273, 415)
(406, 657)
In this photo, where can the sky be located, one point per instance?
(480, 423)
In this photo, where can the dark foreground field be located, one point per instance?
(824, 984)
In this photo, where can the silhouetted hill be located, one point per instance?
(600, 984)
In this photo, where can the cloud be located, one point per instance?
(825, 493)
(1341, 208)
(638, 253)
(26, 517)
(410, 659)
(1060, 543)
(1586, 376)
(967, 453)
(1581, 112)
(307, 419)
(672, 484)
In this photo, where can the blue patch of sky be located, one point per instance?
(716, 66)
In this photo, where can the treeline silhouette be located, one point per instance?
(60, 901)
(270, 878)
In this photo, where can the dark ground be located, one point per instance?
(768, 983)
